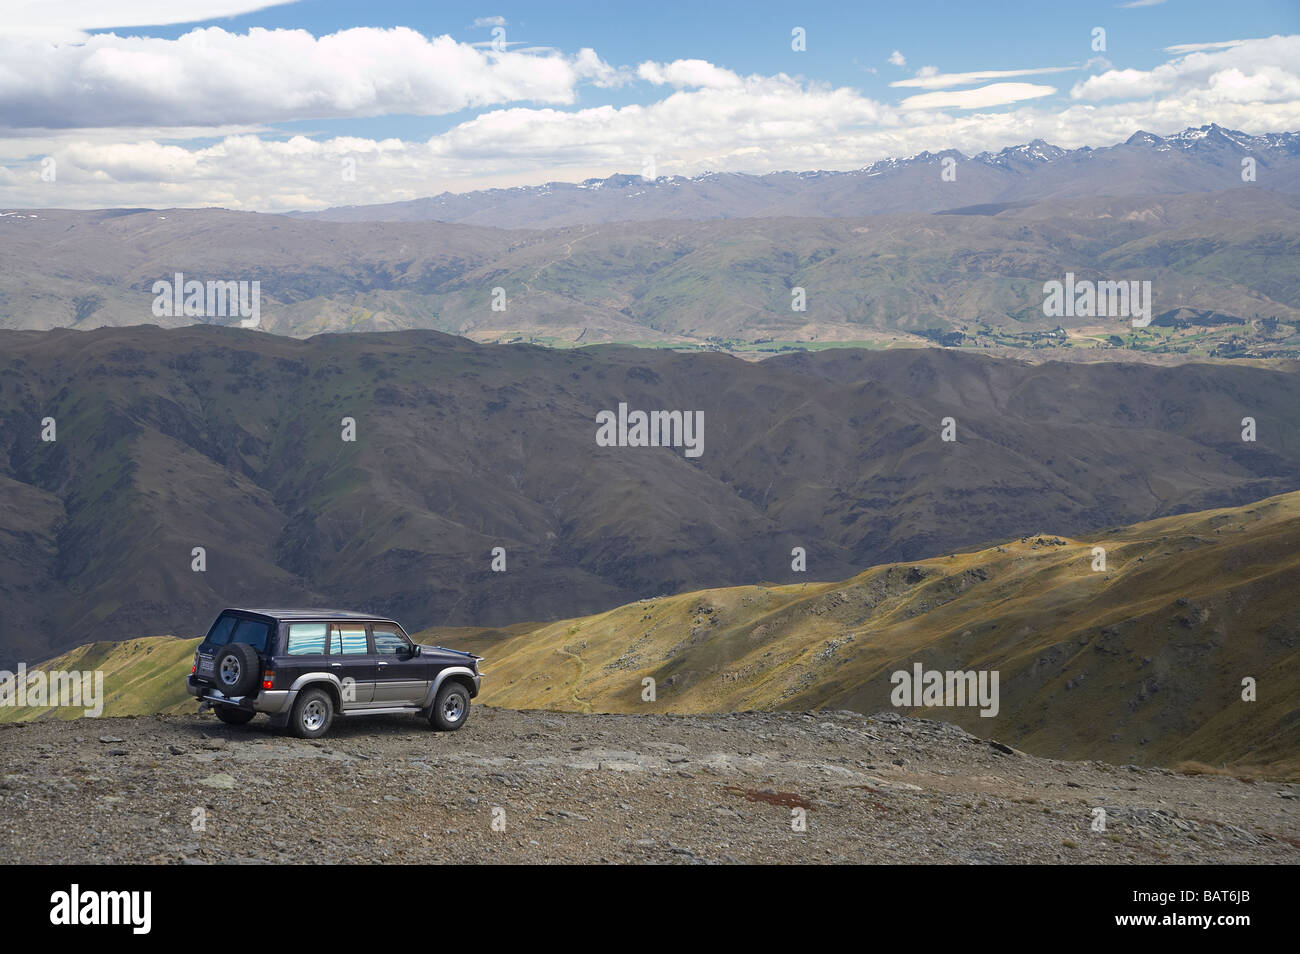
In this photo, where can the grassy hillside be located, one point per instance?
(1141, 663)
(141, 676)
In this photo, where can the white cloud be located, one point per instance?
(930, 78)
(1195, 47)
(984, 97)
(69, 19)
(1264, 70)
(209, 76)
(489, 21)
(1114, 84)
(688, 73)
(897, 59)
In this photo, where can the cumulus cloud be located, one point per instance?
(897, 59)
(692, 73)
(1263, 70)
(211, 77)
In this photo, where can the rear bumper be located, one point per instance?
(272, 702)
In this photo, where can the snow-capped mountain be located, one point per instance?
(1205, 159)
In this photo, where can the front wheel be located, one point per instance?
(450, 707)
(312, 714)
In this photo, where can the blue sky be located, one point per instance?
(259, 108)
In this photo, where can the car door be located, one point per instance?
(401, 677)
(351, 661)
(304, 652)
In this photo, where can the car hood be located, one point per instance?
(443, 654)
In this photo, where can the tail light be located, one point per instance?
(268, 680)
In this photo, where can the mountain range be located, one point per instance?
(234, 441)
(1205, 159)
(1221, 268)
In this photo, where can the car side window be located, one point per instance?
(388, 642)
(348, 639)
(306, 639)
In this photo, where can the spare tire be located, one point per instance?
(238, 669)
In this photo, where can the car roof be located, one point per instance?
(308, 613)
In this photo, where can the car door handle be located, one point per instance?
(338, 665)
(382, 663)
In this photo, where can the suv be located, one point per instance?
(303, 667)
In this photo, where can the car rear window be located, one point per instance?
(252, 631)
(220, 632)
(306, 639)
(235, 629)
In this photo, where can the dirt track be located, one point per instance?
(606, 788)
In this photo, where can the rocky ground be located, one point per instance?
(606, 788)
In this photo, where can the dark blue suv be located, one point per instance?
(304, 667)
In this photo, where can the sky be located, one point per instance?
(250, 105)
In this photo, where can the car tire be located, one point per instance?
(313, 713)
(231, 715)
(238, 669)
(450, 707)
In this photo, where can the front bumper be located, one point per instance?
(272, 702)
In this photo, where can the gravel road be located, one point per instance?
(547, 787)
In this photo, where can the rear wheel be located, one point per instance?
(312, 714)
(233, 716)
(450, 707)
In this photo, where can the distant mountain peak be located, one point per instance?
(619, 180)
(1143, 138)
(1029, 170)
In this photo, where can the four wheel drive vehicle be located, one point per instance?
(304, 667)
